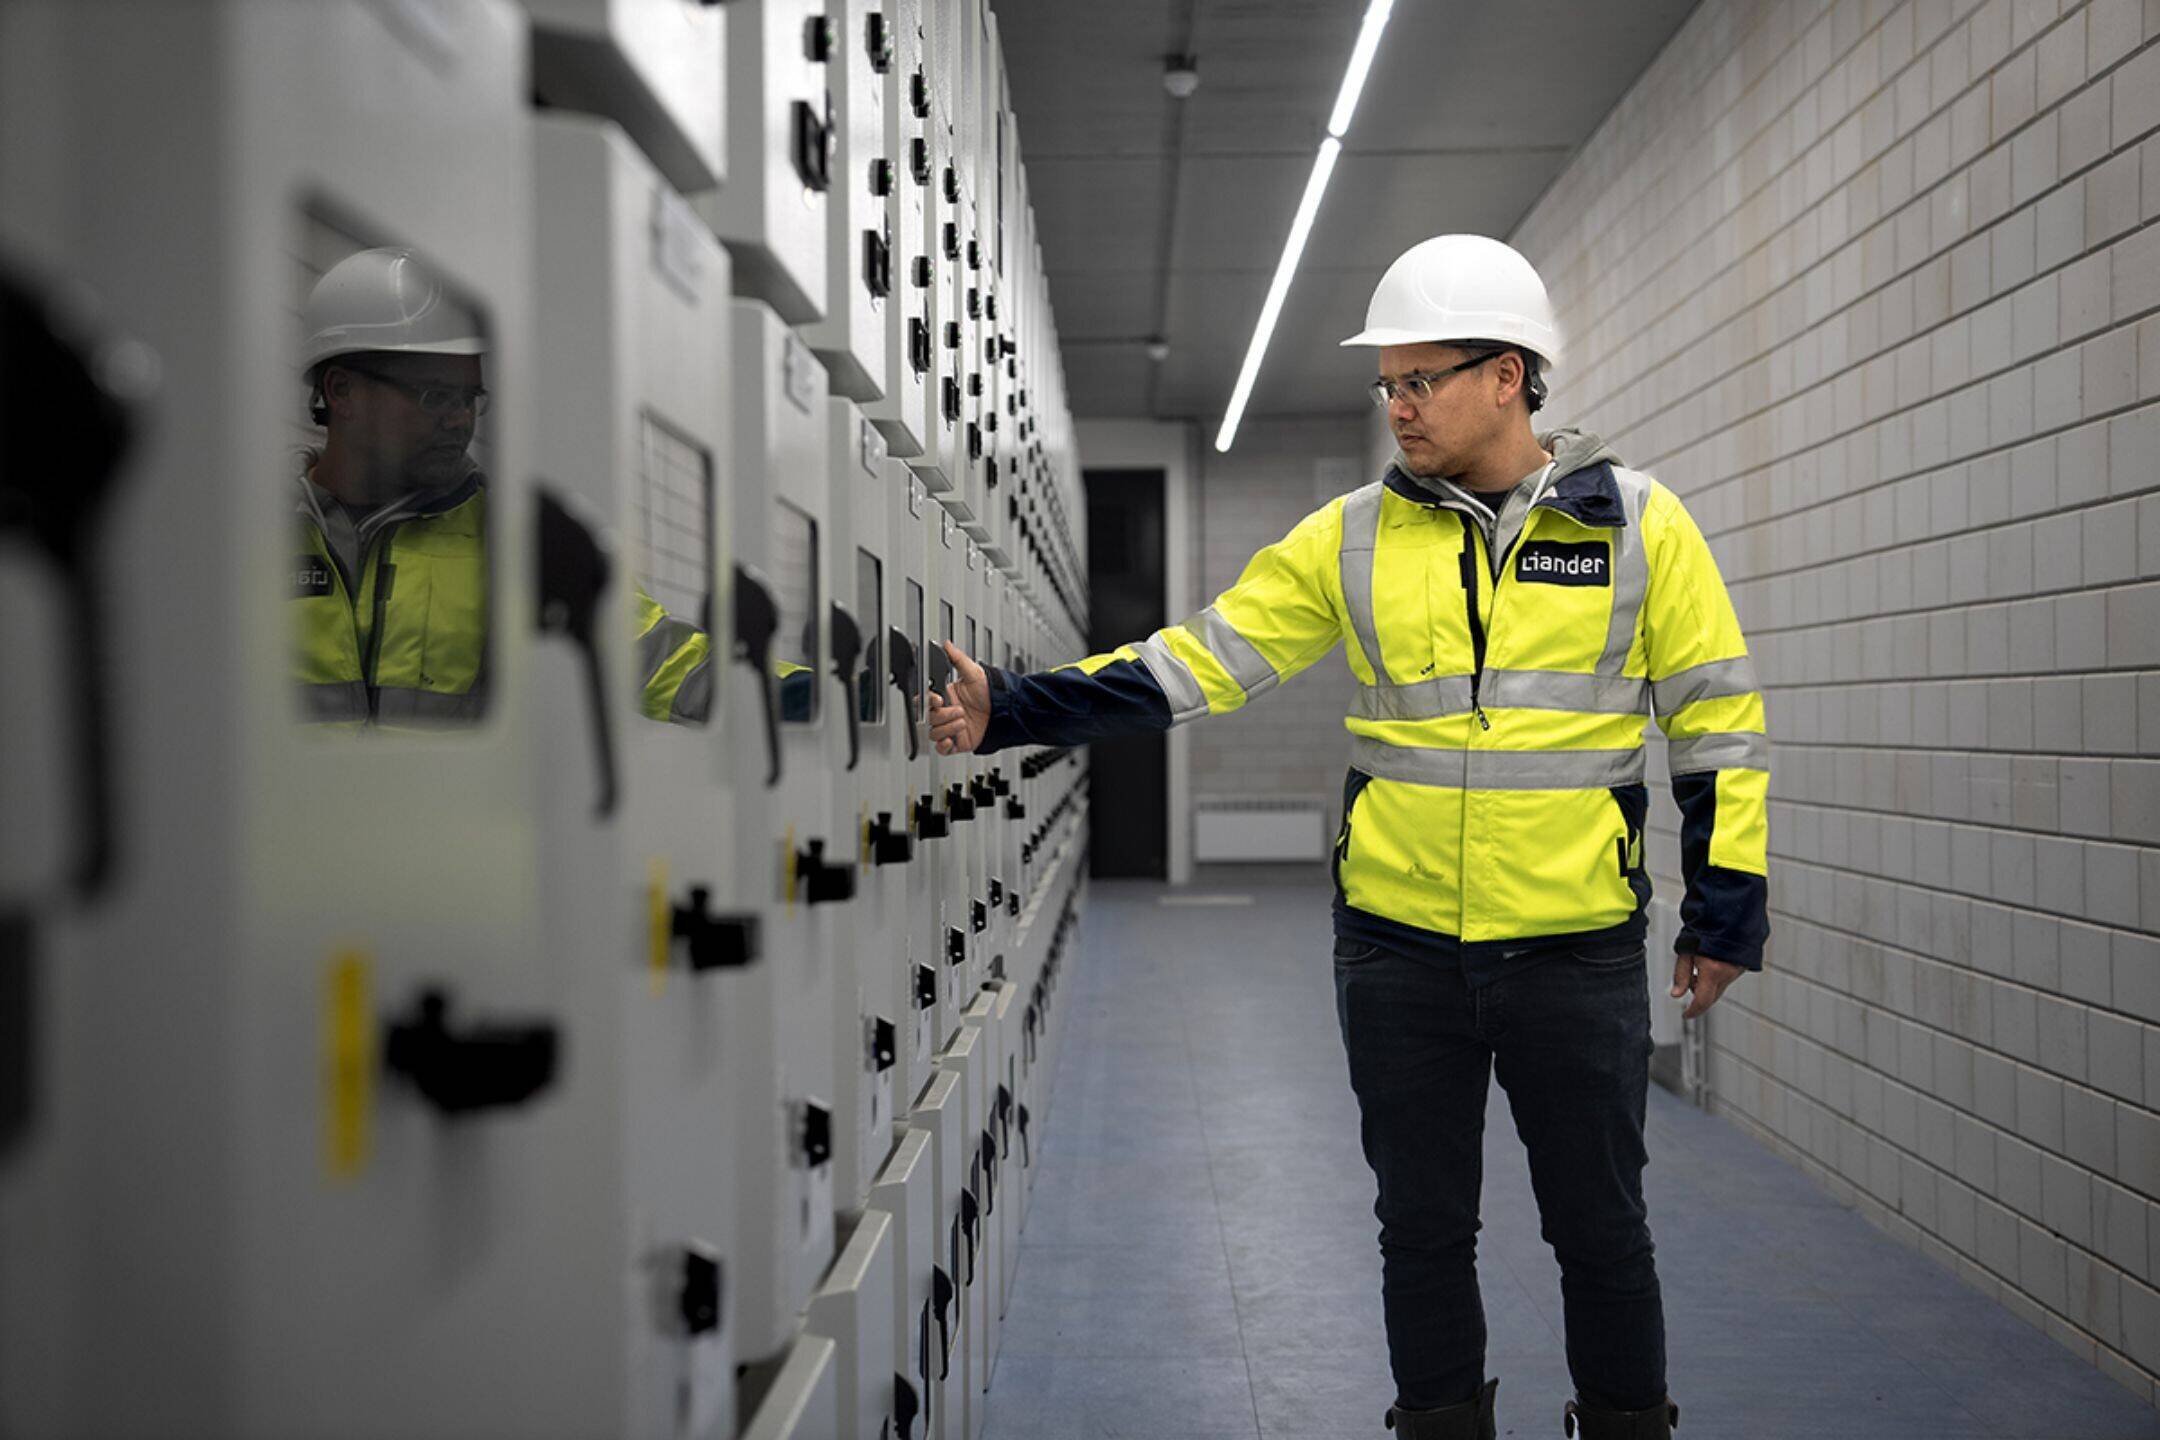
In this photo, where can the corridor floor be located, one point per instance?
(1200, 1258)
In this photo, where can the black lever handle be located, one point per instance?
(485, 1066)
(922, 1359)
(941, 669)
(67, 375)
(941, 1295)
(847, 644)
(757, 620)
(905, 677)
(906, 1407)
(970, 1218)
(574, 571)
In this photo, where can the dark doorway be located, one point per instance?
(18, 1031)
(1128, 780)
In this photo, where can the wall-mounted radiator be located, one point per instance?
(1230, 828)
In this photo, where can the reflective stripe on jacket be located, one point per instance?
(1497, 786)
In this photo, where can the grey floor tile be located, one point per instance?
(1340, 1391)
(1133, 1324)
(1143, 1265)
(1041, 1397)
(1105, 1219)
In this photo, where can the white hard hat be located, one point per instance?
(1462, 287)
(386, 299)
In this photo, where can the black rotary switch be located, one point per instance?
(713, 941)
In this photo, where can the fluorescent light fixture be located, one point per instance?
(1353, 85)
(1361, 58)
(1279, 288)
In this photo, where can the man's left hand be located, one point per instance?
(1703, 975)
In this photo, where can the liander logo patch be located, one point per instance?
(1564, 562)
(311, 576)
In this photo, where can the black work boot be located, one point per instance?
(1591, 1423)
(1471, 1420)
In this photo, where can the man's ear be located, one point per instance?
(336, 386)
(1508, 365)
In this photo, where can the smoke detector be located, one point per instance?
(1158, 349)
(1181, 76)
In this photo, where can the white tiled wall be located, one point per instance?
(1873, 286)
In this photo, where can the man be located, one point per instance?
(392, 580)
(1513, 608)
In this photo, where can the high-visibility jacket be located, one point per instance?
(675, 659)
(1496, 793)
(404, 640)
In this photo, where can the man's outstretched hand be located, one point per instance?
(960, 716)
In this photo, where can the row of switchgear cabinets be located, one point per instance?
(487, 946)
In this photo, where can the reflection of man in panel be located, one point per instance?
(392, 575)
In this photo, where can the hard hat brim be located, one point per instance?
(1381, 335)
(1384, 336)
(470, 346)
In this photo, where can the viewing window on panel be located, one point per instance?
(386, 487)
(870, 608)
(795, 587)
(674, 520)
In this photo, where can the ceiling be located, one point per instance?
(1166, 217)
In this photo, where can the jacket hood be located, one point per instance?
(1574, 450)
(1581, 482)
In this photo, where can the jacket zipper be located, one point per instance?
(1477, 625)
(385, 573)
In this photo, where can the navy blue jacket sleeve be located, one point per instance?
(1066, 707)
(1725, 914)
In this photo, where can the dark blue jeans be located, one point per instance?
(1570, 1040)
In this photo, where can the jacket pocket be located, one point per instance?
(1354, 952)
(1611, 954)
(1354, 784)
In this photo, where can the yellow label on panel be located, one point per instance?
(348, 1065)
(661, 917)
